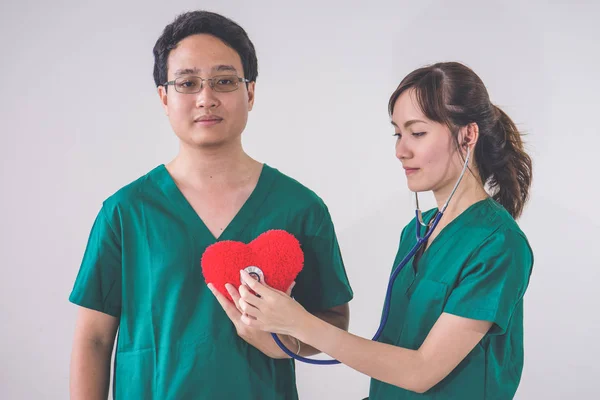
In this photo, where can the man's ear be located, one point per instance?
(162, 93)
(251, 91)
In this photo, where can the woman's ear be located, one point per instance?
(469, 136)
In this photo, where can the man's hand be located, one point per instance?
(255, 337)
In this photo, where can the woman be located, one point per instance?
(455, 329)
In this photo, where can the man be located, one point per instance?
(141, 270)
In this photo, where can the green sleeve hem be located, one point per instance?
(112, 311)
(480, 315)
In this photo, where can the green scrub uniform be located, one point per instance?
(142, 265)
(478, 267)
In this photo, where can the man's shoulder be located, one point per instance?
(134, 192)
(296, 192)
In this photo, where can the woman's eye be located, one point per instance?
(418, 134)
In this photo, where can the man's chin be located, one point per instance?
(209, 141)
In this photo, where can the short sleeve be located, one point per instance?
(98, 283)
(323, 282)
(493, 281)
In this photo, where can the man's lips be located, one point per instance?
(207, 120)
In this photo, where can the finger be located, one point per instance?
(232, 312)
(248, 309)
(235, 295)
(251, 322)
(289, 291)
(250, 297)
(258, 287)
(223, 301)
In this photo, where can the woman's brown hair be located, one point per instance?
(452, 94)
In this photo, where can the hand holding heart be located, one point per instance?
(276, 252)
(269, 310)
(279, 256)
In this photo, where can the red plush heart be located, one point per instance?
(276, 252)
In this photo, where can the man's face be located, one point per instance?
(207, 118)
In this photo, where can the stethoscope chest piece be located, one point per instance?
(255, 273)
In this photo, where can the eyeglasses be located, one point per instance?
(194, 84)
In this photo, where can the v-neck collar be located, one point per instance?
(448, 231)
(239, 222)
(440, 240)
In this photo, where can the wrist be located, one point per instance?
(291, 343)
(305, 327)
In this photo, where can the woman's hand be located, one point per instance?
(269, 309)
(256, 337)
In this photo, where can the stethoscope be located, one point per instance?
(257, 274)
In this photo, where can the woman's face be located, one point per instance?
(425, 148)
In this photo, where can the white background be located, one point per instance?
(80, 118)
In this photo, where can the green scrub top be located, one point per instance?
(142, 265)
(477, 267)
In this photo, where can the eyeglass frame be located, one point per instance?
(210, 83)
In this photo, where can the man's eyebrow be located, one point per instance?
(187, 71)
(224, 67)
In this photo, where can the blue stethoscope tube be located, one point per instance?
(388, 296)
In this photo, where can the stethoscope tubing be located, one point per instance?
(388, 295)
